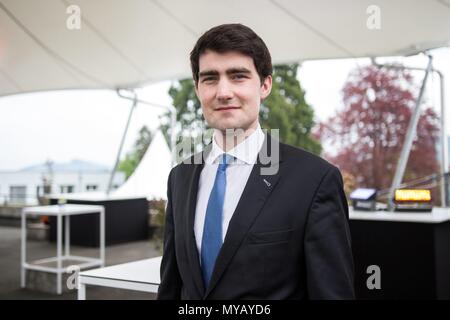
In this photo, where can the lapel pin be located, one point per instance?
(267, 183)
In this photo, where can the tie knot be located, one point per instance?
(225, 160)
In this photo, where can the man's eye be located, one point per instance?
(208, 79)
(239, 76)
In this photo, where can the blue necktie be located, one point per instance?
(212, 229)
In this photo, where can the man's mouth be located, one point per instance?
(227, 108)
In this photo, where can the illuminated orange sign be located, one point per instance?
(412, 195)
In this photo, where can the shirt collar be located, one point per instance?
(245, 152)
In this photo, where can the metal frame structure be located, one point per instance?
(401, 165)
(113, 172)
(136, 100)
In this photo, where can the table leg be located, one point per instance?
(59, 254)
(67, 240)
(23, 255)
(81, 290)
(102, 236)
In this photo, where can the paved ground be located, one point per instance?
(10, 265)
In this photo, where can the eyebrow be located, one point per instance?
(228, 72)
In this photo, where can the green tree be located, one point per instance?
(132, 158)
(190, 119)
(285, 109)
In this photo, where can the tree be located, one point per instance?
(132, 158)
(189, 117)
(287, 110)
(284, 109)
(367, 135)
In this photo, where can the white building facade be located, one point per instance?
(25, 186)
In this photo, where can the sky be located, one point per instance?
(89, 124)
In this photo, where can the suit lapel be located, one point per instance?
(192, 190)
(252, 200)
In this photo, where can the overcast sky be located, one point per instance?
(89, 124)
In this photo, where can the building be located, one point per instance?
(26, 185)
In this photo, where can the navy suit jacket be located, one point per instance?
(288, 238)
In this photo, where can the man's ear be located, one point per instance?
(266, 87)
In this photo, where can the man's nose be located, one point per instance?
(224, 90)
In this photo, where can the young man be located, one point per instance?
(233, 232)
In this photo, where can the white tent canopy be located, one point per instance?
(127, 44)
(123, 44)
(149, 179)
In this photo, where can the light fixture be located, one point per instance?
(413, 200)
(364, 199)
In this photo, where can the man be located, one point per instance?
(233, 232)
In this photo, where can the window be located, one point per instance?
(91, 187)
(66, 189)
(17, 194)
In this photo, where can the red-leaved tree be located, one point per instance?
(365, 138)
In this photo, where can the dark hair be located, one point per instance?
(233, 37)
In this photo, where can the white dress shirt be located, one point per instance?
(237, 174)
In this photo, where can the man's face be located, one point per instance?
(230, 90)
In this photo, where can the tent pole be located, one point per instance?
(113, 172)
(173, 120)
(410, 134)
(444, 145)
(444, 186)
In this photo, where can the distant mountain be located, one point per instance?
(72, 166)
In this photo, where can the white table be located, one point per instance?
(142, 275)
(61, 211)
(437, 215)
